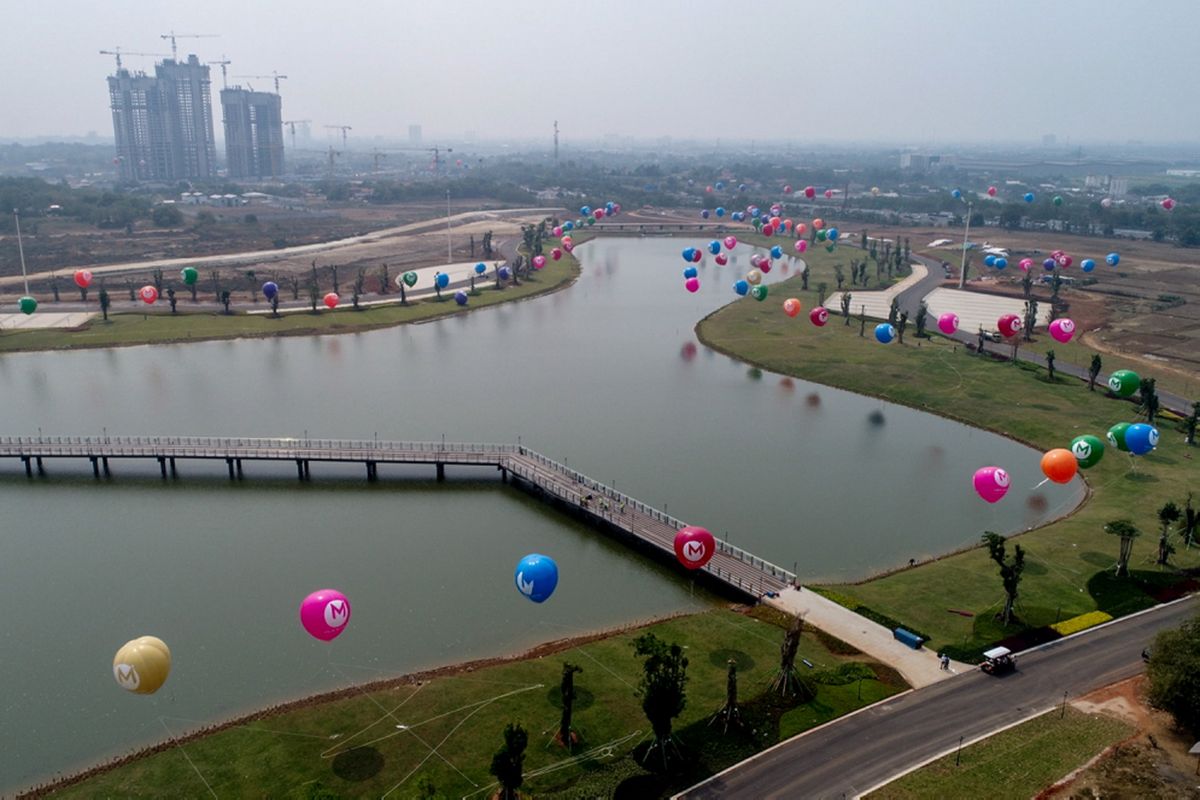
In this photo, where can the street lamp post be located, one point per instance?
(962, 272)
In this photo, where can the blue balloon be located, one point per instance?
(832, 234)
(480, 268)
(704, 214)
(461, 297)
(884, 333)
(1141, 438)
(504, 273)
(1049, 264)
(741, 187)
(690, 272)
(568, 225)
(688, 253)
(1088, 265)
(720, 185)
(585, 210)
(738, 216)
(1112, 259)
(741, 287)
(720, 211)
(1001, 263)
(776, 252)
(754, 212)
(441, 280)
(956, 194)
(989, 260)
(714, 247)
(1029, 197)
(609, 206)
(536, 577)
(270, 289)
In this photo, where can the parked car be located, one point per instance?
(998, 660)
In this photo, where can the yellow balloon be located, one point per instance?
(875, 191)
(142, 665)
(754, 277)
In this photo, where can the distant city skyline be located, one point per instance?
(925, 73)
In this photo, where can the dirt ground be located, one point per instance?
(1153, 763)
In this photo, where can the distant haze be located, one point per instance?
(916, 72)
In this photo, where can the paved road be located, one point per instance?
(860, 752)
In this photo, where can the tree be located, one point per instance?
(1174, 674)
(1031, 310)
(902, 323)
(360, 281)
(215, 277)
(166, 216)
(129, 288)
(893, 311)
(509, 761)
(385, 280)
(1094, 371)
(54, 285)
(662, 689)
(333, 274)
(1168, 515)
(294, 282)
(1190, 521)
(822, 287)
(105, 302)
(788, 682)
(1050, 366)
(729, 714)
(172, 299)
(804, 277)
(226, 296)
(252, 285)
(1027, 285)
(1192, 421)
(839, 275)
(1010, 571)
(846, 307)
(157, 277)
(275, 305)
(1148, 392)
(922, 318)
(862, 320)
(487, 244)
(1127, 533)
(567, 692)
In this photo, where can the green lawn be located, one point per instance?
(1070, 561)
(1015, 763)
(353, 747)
(129, 328)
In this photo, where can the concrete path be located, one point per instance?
(919, 667)
(977, 310)
(44, 319)
(877, 303)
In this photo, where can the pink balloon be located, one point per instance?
(1168, 204)
(828, 193)
(818, 316)
(730, 242)
(1026, 263)
(83, 278)
(556, 253)
(1062, 330)
(991, 191)
(948, 323)
(598, 213)
(148, 294)
(721, 259)
(692, 284)
(787, 189)
(991, 483)
(810, 192)
(539, 262)
(324, 614)
(566, 240)
(1008, 325)
(1065, 261)
(801, 245)
(767, 230)
(558, 230)
(694, 546)
(568, 246)
(765, 265)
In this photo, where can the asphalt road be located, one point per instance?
(860, 752)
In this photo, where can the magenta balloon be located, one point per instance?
(1062, 330)
(730, 242)
(948, 323)
(697, 255)
(324, 614)
(558, 230)
(692, 284)
(539, 262)
(1026, 263)
(801, 245)
(721, 259)
(991, 483)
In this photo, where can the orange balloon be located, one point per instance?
(801, 228)
(818, 223)
(1060, 465)
(791, 306)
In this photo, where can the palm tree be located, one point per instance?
(1168, 515)
(1127, 532)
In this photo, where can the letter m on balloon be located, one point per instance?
(336, 613)
(694, 551)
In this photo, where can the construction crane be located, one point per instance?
(378, 155)
(292, 123)
(343, 129)
(274, 75)
(116, 51)
(173, 36)
(437, 153)
(332, 155)
(223, 63)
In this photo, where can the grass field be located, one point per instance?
(155, 328)
(1015, 763)
(355, 746)
(1070, 562)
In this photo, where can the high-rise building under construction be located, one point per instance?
(253, 133)
(163, 124)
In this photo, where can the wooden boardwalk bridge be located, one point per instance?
(624, 516)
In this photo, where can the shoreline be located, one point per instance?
(407, 679)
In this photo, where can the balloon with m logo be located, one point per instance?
(141, 666)
(325, 613)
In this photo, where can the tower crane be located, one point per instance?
(437, 154)
(378, 155)
(223, 63)
(343, 129)
(292, 123)
(274, 75)
(173, 36)
(116, 51)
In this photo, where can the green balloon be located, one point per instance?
(821, 236)
(1124, 382)
(759, 292)
(1116, 436)
(591, 220)
(829, 248)
(1057, 200)
(27, 304)
(190, 275)
(410, 279)
(1088, 450)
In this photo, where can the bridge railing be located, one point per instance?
(235, 447)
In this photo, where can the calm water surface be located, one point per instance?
(606, 375)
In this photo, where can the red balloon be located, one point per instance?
(148, 294)
(768, 230)
(828, 193)
(83, 278)
(991, 191)
(810, 192)
(721, 259)
(694, 546)
(331, 300)
(1168, 204)
(819, 316)
(696, 254)
(556, 254)
(1009, 325)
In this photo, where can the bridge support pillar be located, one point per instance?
(28, 466)
(503, 475)
(372, 472)
(104, 463)
(239, 470)
(441, 472)
(307, 470)
(95, 467)
(229, 463)
(300, 468)
(41, 469)
(174, 472)
(162, 466)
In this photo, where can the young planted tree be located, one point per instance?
(1050, 366)
(129, 288)
(1148, 391)
(385, 280)
(360, 281)
(1191, 519)
(252, 285)
(54, 285)
(333, 276)
(158, 280)
(1125, 530)
(1173, 674)
(105, 302)
(839, 275)
(1031, 310)
(226, 297)
(1192, 421)
(788, 682)
(894, 311)
(1168, 515)
(294, 282)
(487, 244)
(215, 277)
(663, 692)
(1027, 285)
(922, 318)
(846, 307)
(822, 287)
(567, 737)
(729, 714)
(901, 325)
(509, 761)
(804, 277)
(1094, 371)
(1010, 571)
(171, 299)
(862, 320)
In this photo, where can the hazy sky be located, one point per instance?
(910, 71)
